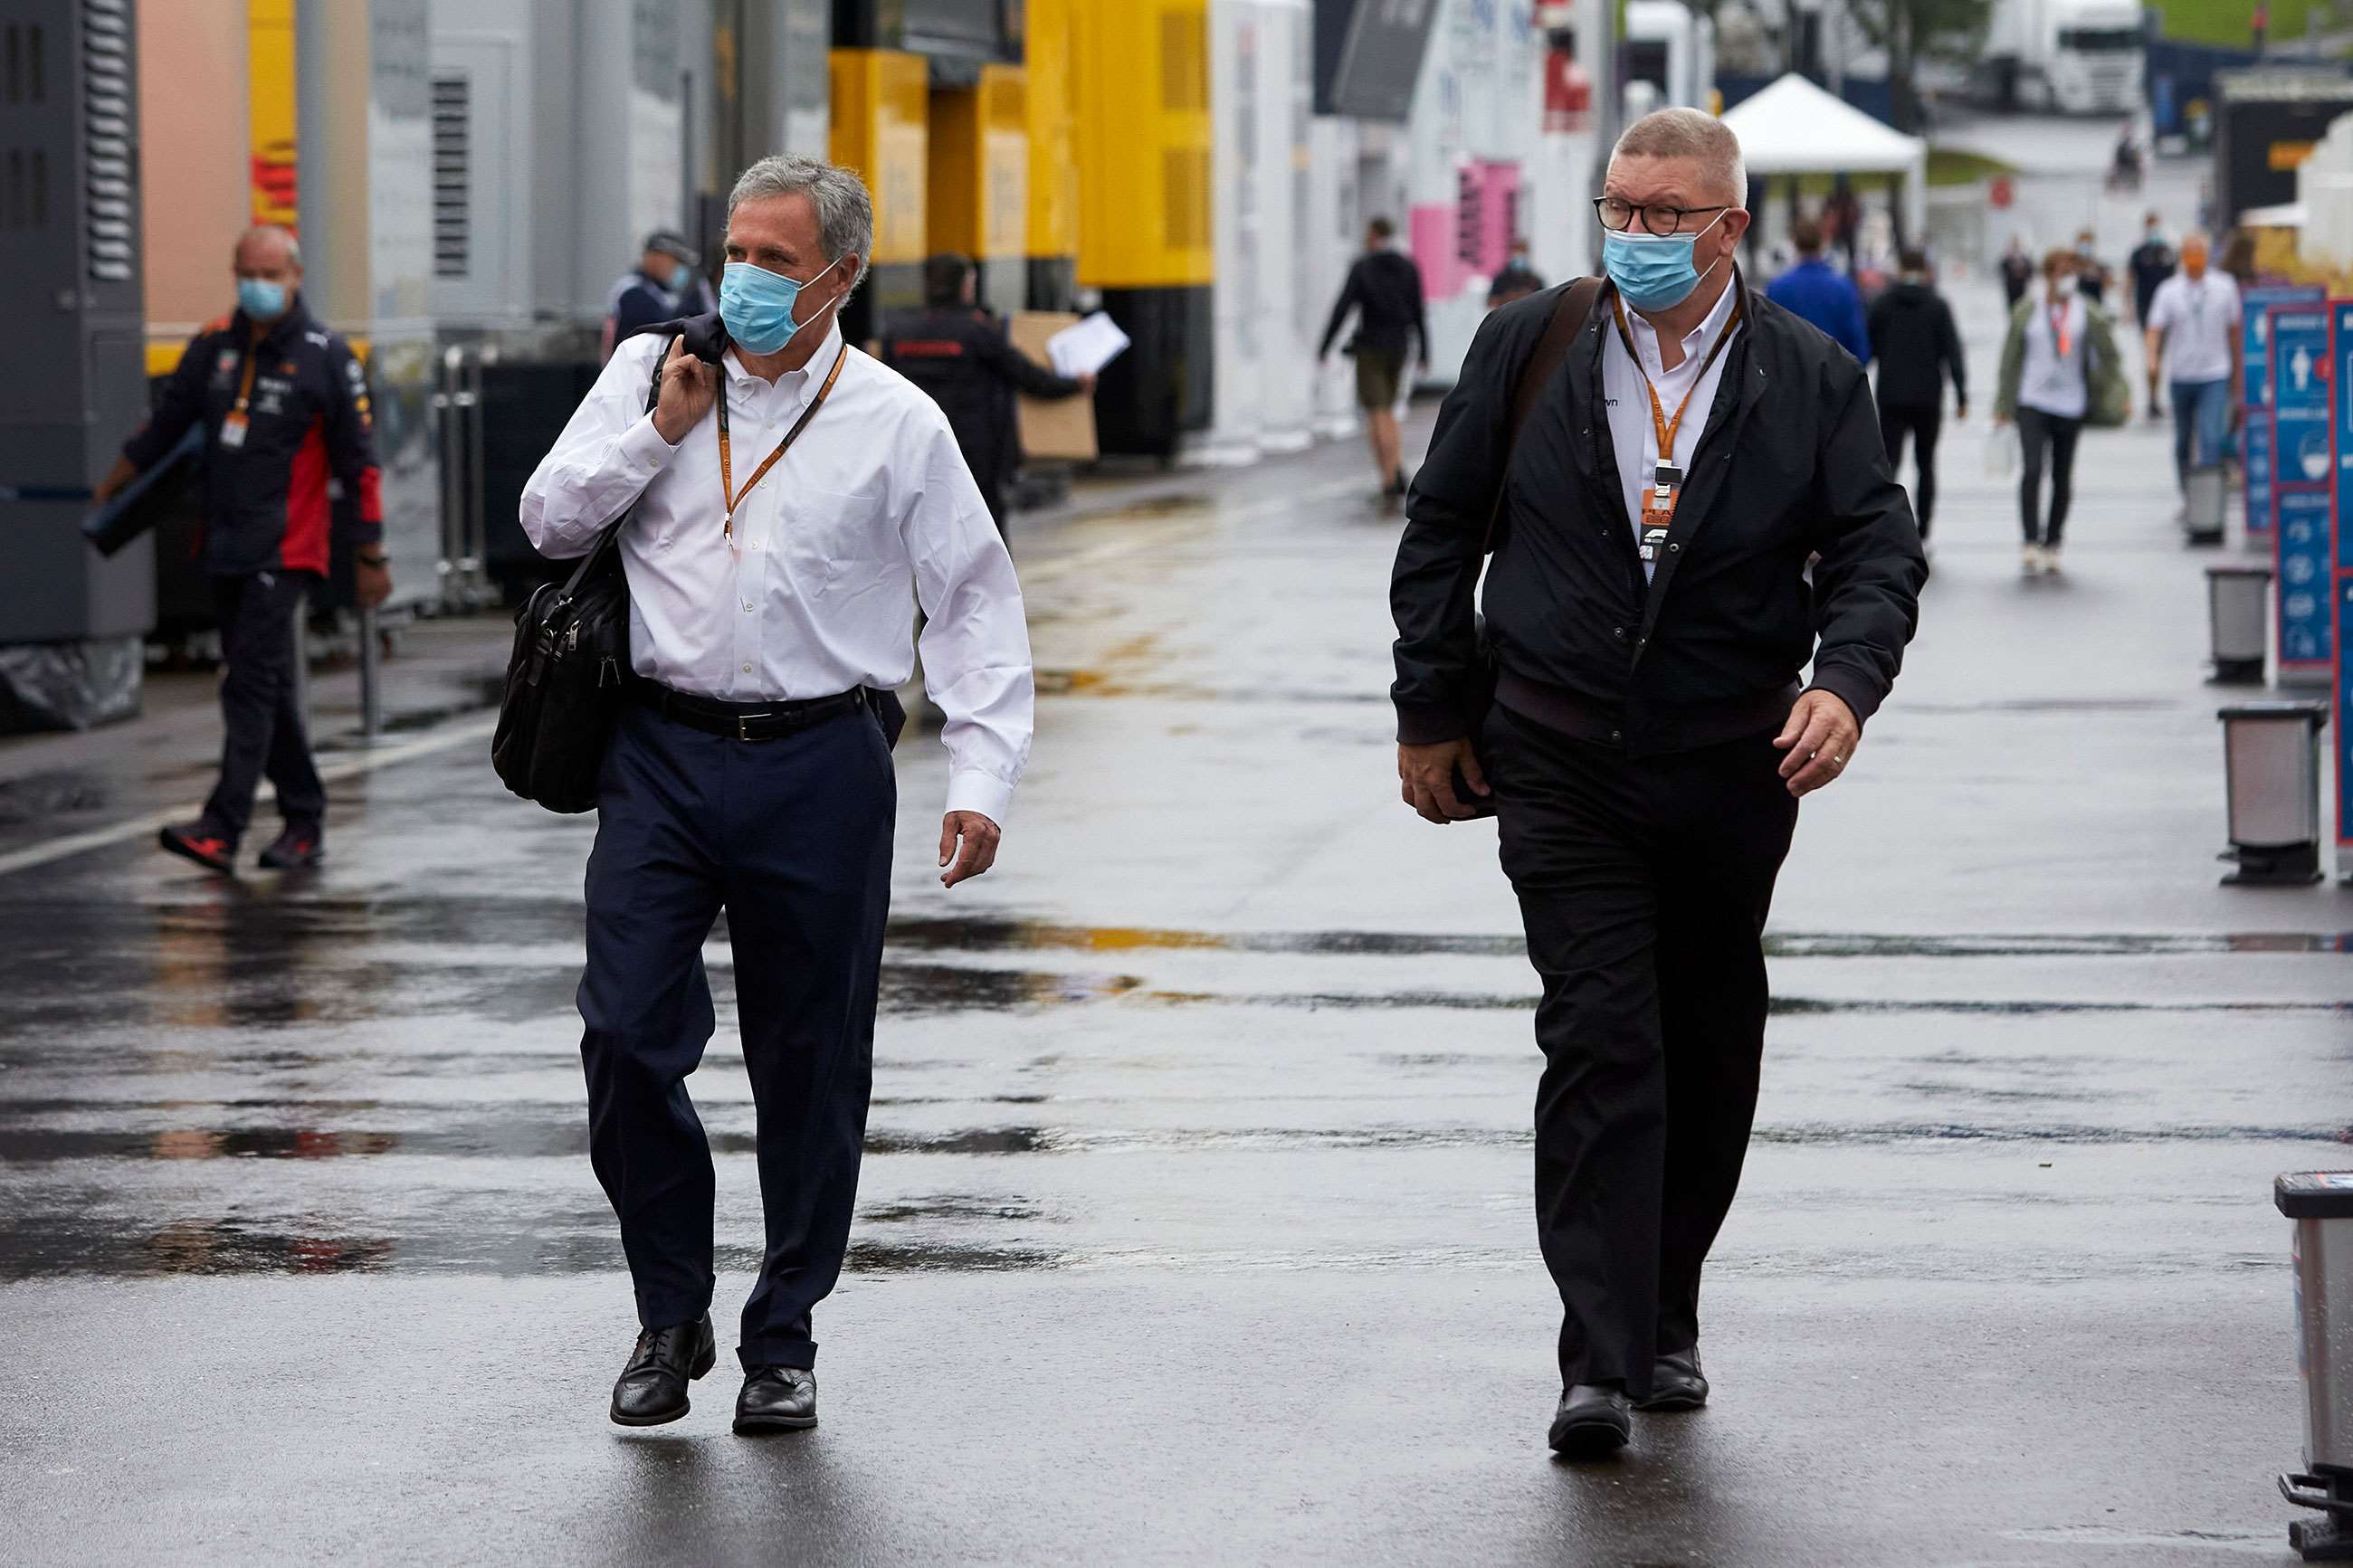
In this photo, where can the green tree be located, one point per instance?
(1912, 31)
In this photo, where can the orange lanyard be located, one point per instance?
(1665, 488)
(734, 498)
(245, 383)
(2059, 329)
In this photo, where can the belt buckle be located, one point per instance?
(743, 728)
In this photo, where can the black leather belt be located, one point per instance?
(743, 720)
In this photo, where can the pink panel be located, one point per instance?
(1498, 197)
(1435, 249)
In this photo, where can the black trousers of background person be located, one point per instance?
(1923, 422)
(1643, 885)
(2039, 433)
(791, 836)
(262, 721)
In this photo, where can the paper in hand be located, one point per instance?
(1086, 348)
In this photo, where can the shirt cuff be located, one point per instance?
(971, 789)
(643, 449)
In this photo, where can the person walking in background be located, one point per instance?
(2192, 328)
(1648, 738)
(289, 468)
(1842, 217)
(1813, 290)
(2017, 272)
(1517, 279)
(959, 353)
(2046, 387)
(2151, 263)
(1914, 339)
(2091, 278)
(1384, 289)
(663, 287)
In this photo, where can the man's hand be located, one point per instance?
(979, 851)
(1960, 413)
(1821, 738)
(688, 388)
(1086, 380)
(121, 474)
(1427, 774)
(371, 582)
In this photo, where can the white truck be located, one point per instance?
(2073, 56)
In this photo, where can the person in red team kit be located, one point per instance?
(284, 409)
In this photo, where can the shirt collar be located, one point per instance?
(818, 364)
(1696, 342)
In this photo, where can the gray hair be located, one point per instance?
(1690, 134)
(845, 212)
(269, 231)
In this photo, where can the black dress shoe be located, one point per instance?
(1676, 1382)
(296, 849)
(776, 1399)
(652, 1387)
(1593, 1422)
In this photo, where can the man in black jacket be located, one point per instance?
(1649, 610)
(958, 353)
(284, 408)
(1915, 343)
(1384, 287)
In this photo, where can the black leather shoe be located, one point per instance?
(776, 1399)
(652, 1387)
(1676, 1382)
(1593, 1422)
(296, 849)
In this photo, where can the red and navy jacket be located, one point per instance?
(269, 504)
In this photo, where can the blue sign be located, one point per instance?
(2256, 362)
(2341, 387)
(2299, 386)
(2344, 712)
(2307, 571)
(2255, 449)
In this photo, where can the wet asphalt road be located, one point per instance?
(1195, 1221)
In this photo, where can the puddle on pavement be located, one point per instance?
(960, 1207)
(36, 1250)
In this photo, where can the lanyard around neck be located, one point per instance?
(734, 497)
(1664, 426)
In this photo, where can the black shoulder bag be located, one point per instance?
(564, 677)
(1570, 313)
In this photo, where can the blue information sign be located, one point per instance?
(2305, 569)
(2260, 450)
(2299, 387)
(2344, 710)
(2255, 438)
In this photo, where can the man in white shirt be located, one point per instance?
(2193, 325)
(794, 501)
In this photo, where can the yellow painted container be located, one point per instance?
(1143, 117)
(881, 111)
(980, 167)
(1049, 105)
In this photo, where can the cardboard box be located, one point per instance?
(1063, 431)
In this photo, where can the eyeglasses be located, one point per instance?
(1618, 214)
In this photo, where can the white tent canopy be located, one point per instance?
(1793, 127)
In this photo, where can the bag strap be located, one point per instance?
(1570, 314)
(606, 540)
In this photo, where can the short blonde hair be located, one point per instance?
(1689, 133)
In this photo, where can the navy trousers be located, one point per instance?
(792, 838)
(263, 725)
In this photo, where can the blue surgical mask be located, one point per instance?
(261, 298)
(679, 276)
(756, 306)
(1653, 271)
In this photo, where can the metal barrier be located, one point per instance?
(457, 405)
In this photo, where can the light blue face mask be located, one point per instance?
(756, 306)
(260, 298)
(1653, 271)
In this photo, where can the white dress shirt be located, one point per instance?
(1632, 434)
(814, 596)
(2198, 319)
(2050, 381)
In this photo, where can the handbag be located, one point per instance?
(2108, 403)
(1570, 313)
(564, 674)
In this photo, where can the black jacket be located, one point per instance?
(1911, 337)
(1789, 463)
(266, 505)
(962, 358)
(1385, 290)
(2152, 262)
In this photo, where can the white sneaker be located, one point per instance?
(2030, 560)
(2050, 561)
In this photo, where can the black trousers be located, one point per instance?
(792, 838)
(263, 724)
(1923, 422)
(2038, 434)
(1643, 885)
